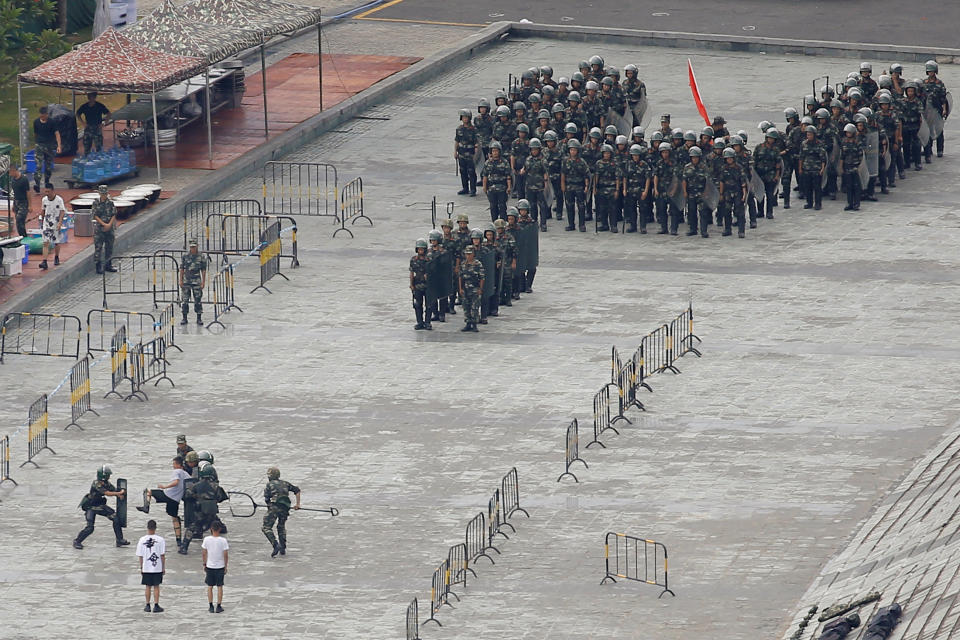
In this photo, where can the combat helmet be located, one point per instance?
(103, 472)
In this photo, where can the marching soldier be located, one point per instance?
(695, 177)
(554, 158)
(193, 278)
(95, 504)
(470, 285)
(519, 151)
(104, 215)
(911, 110)
(277, 496)
(419, 279)
(464, 147)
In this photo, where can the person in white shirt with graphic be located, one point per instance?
(151, 554)
(52, 211)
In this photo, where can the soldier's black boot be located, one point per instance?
(276, 550)
(184, 546)
(184, 320)
(99, 268)
(199, 320)
(466, 328)
(77, 545)
(109, 268)
(786, 200)
(118, 532)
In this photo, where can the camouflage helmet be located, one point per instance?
(596, 60)
(677, 133)
(523, 128)
(606, 149)
(103, 472)
(657, 136)
(607, 81)
(557, 108)
(885, 81)
(570, 127)
(205, 455)
(610, 130)
(592, 85)
(573, 96)
(826, 89)
(191, 457)
(690, 135)
(763, 125)
(546, 70)
(595, 133)
(631, 67)
(543, 113)
(583, 64)
(527, 75)
(519, 106)
(736, 140)
(855, 92)
(562, 80)
(182, 439)
(465, 113)
(849, 128)
(447, 222)
(836, 104)
(612, 72)
(790, 112)
(549, 135)
(499, 224)
(719, 144)
(639, 131)
(695, 152)
(496, 145)
(664, 146)
(462, 217)
(434, 236)
(512, 211)
(896, 67)
(810, 129)
(910, 84)
(503, 111)
(573, 144)
(576, 75)
(483, 102)
(866, 111)
(536, 144)
(468, 249)
(866, 66)
(823, 113)
(620, 140)
(859, 118)
(806, 120)
(547, 92)
(523, 203)
(729, 153)
(772, 133)
(489, 228)
(707, 131)
(534, 97)
(476, 233)
(273, 473)
(636, 150)
(850, 82)
(809, 100)
(853, 75)
(884, 99)
(500, 94)
(207, 471)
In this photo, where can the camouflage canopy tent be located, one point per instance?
(113, 63)
(168, 29)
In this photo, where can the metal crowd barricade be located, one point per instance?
(136, 373)
(475, 539)
(167, 327)
(102, 324)
(573, 450)
(601, 415)
(38, 421)
(510, 491)
(351, 206)
(300, 188)
(80, 393)
(40, 334)
(459, 565)
(5, 461)
(439, 590)
(240, 235)
(270, 250)
(494, 521)
(615, 364)
(681, 329)
(197, 212)
(223, 295)
(627, 390)
(147, 362)
(118, 362)
(643, 568)
(658, 350)
(157, 275)
(413, 621)
(639, 364)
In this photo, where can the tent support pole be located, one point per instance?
(209, 96)
(20, 128)
(263, 78)
(156, 131)
(320, 60)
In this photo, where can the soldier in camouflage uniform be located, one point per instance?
(277, 496)
(663, 176)
(695, 177)
(851, 154)
(733, 193)
(483, 123)
(491, 292)
(827, 134)
(464, 147)
(94, 115)
(497, 181)
(104, 215)
(605, 188)
(204, 495)
(768, 164)
(504, 130)
(812, 165)
(889, 121)
(419, 280)
(792, 142)
(437, 280)
(95, 504)
(519, 151)
(470, 285)
(534, 173)
(636, 190)
(452, 247)
(193, 278)
(574, 182)
(508, 251)
(554, 158)
(911, 109)
(937, 98)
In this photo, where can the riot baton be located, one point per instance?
(240, 511)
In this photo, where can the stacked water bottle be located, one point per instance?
(101, 166)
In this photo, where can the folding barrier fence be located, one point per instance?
(40, 334)
(147, 362)
(156, 275)
(351, 206)
(118, 362)
(270, 250)
(102, 324)
(681, 329)
(5, 461)
(137, 375)
(573, 450)
(413, 621)
(615, 364)
(459, 565)
(475, 539)
(240, 235)
(168, 328)
(601, 415)
(223, 295)
(630, 564)
(658, 351)
(38, 421)
(196, 213)
(494, 521)
(300, 188)
(639, 362)
(627, 390)
(80, 393)
(510, 491)
(439, 590)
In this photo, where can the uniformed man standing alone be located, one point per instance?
(95, 504)
(193, 278)
(277, 496)
(464, 148)
(105, 221)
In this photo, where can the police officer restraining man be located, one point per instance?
(95, 504)
(193, 278)
(277, 496)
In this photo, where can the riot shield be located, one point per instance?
(711, 197)
(949, 105)
(189, 505)
(488, 258)
(864, 172)
(823, 179)
(523, 239)
(547, 194)
(478, 160)
(934, 121)
(122, 502)
(872, 152)
(756, 186)
(924, 133)
(534, 258)
(676, 194)
(640, 108)
(620, 122)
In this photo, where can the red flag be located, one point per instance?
(696, 93)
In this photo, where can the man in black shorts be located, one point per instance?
(170, 494)
(151, 553)
(215, 565)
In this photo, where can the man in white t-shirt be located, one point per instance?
(52, 211)
(215, 564)
(170, 494)
(151, 554)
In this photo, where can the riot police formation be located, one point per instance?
(578, 145)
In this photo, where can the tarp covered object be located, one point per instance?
(168, 29)
(113, 63)
(267, 17)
